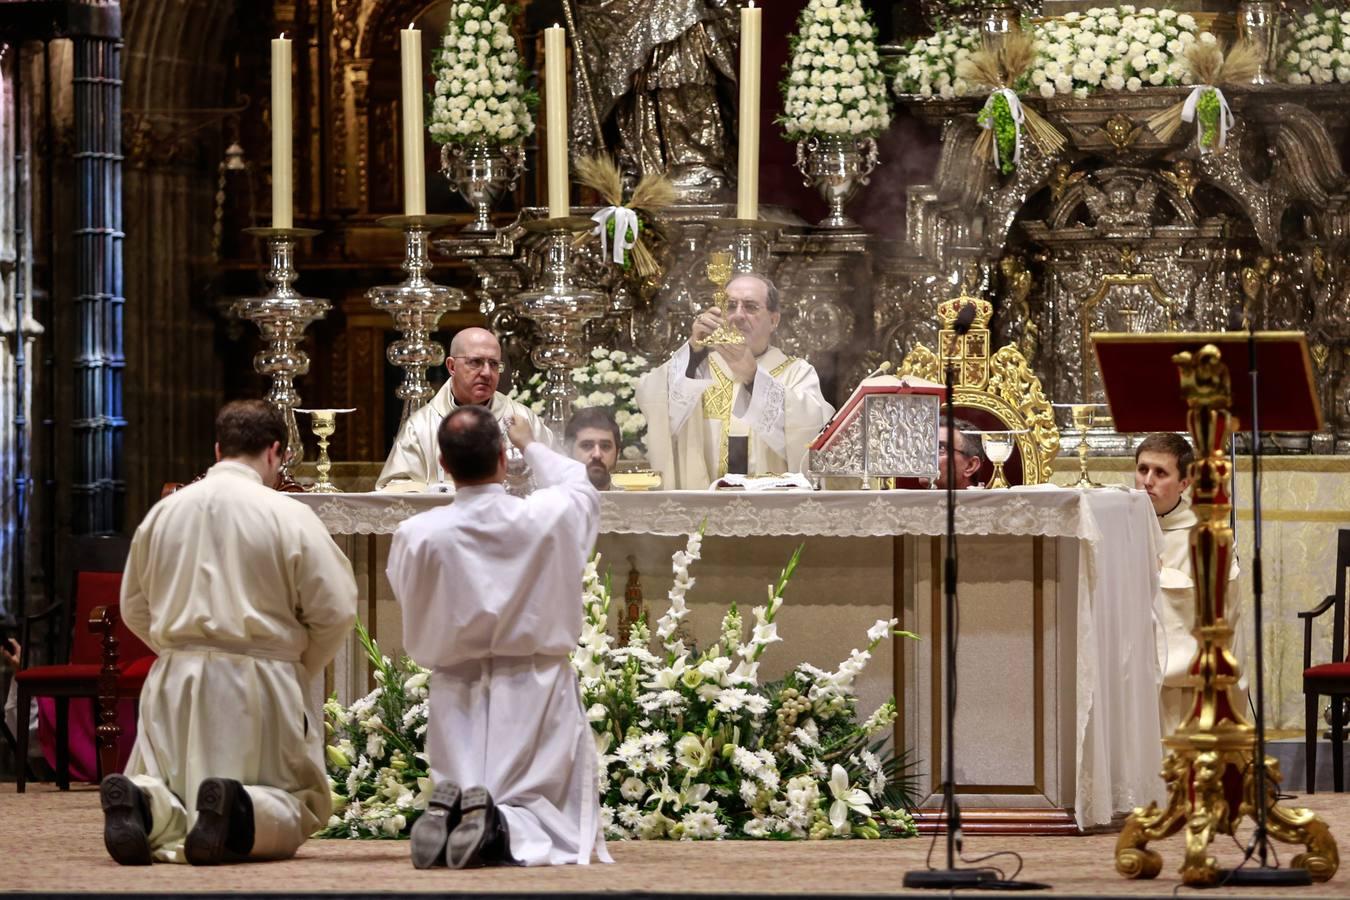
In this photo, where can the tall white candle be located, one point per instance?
(414, 160)
(747, 170)
(555, 88)
(281, 133)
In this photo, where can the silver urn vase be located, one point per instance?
(480, 171)
(837, 167)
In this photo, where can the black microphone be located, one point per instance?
(964, 319)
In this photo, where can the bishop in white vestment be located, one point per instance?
(490, 589)
(475, 367)
(746, 408)
(245, 598)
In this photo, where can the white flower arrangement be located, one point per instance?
(834, 85)
(609, 380)
(693, 747)
(1106, 48)
(1317, 50)
(480, 91)
(377, 770)
(928, 68)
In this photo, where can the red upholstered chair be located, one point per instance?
(1329, 679)
(102, 650)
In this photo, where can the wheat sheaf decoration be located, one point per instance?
(1206, 105)
(1000, 66)
(620, 224)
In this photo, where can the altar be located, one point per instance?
(1057, 723)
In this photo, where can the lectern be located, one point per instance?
(1164, 382)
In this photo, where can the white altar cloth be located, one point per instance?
(1118, 746)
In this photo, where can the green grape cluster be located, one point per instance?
(791, 706)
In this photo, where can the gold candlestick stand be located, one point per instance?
(1209, 768)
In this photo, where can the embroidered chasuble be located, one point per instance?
(414, 460)
(691, 421)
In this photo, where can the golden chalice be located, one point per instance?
(998, 446)
(323, 422)
(1083, 415)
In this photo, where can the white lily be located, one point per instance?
(845, 798)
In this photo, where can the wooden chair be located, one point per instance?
(1328, 679)
(105, 662)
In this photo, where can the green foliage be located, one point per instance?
(997, 115)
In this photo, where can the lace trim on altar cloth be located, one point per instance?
(1048, 513)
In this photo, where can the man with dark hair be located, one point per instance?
(969, 455)
(475, 367)
(593, 438)
(728, 401)
(245, 598)
(489, 588)
(1162, 465)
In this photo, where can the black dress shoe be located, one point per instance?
(224, 828)
(481, 839)
(126, 821)
(434, 826)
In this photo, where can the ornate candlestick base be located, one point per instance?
(323, 422)
(751, 243)
(1210, 772)
(561, 309)
(416, 306)
(282, 315)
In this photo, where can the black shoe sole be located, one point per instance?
(123, 827)
(430, 831)
(205, 844)
(477, 823)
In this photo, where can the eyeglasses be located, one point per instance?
(747, 307)
(476, 363)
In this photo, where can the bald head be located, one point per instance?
(475, 366)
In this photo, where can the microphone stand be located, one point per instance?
(1264, 874)
(950, 877)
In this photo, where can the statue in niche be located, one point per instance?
(660, 75)
(1121, 205)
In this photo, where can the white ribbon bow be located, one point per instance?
(1188, 112)
(625, 221)
(1018, 116)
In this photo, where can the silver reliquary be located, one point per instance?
(887, 429)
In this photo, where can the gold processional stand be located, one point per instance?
(1212, 783)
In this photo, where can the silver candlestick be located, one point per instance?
(282, 315)
(416, 306)
(561, 309)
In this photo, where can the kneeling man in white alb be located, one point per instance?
(490, 588)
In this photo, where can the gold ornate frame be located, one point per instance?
(1001, 384)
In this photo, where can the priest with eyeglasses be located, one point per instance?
(475, 367)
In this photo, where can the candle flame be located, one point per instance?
(283, 36)
(410, 26)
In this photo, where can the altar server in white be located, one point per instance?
(491, 594)
(1162, 468)
(245, 598)
(746, 408)
(475, 367)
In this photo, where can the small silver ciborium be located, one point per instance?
(1258, 22)
(416, 306)
(282, 315)
(323, 422)
(750, 243)
(480, 171)
(836, 167)
(561, 309)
